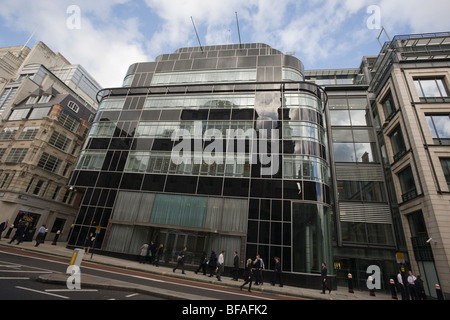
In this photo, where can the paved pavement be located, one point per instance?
(90, 281)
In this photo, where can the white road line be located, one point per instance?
(43, 292)
(14, 278)
(132, 295)
(71, 290)
(25, 271)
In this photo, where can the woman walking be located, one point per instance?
(248, 275)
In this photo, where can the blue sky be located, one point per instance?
(106, 36)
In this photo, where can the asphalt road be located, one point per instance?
(19, 270)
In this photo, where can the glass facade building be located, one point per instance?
(214, 148)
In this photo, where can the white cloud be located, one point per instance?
(103, 45)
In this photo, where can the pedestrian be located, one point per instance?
(158, 254)
(324, 278)
(212, 263)
(258, 265)
(40, 236)
(277, 272)
(248, 275)
(401, 286)
(236, 266)
(151, 252)
(420, 289)
(220, 265)
(88, 242)
(143, 254)
(3, 227)
(412, 285)
(55, 240)
(203, 263)
(180, 260)
(20, 232)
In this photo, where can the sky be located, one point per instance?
(107, 36)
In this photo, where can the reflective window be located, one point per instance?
(213, 76)
(431, 90)
(440, 128)
(204, 101)
(388, 106)
(91, 160)
(407, 184)
(104, 129)
(445, 162)
(112, 104)
(398, 143)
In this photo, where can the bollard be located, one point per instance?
(372, 291)
(350, 283)
(393, 290)
(440, 296)
(77, 257)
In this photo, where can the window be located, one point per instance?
(407, 184)
(55, 193)
(60, 141)
(72, 105)
(388, 106)
(91, 160)
(16, 155)
(49, 163)
(445, 162)
(39, 113)
(440, 128)
(68, 122)
(8, 133)
(432, 90)
(32, 100)
(28, 133)
(3, 180)
(398, 144)
(38, 187)
(19, 114)
(112, 104)
(45, 99)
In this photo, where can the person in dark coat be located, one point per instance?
(203, 263)
(20, 232)
(277, 272)
(180, 260)
(3, 227)
(248, 275)
(420, 289)
(236, 266)
(212, 263)
(324, 278)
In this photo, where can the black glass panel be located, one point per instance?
(253, 211)
(98, 144)
(264, 211)
(293, 190)
(109, 179)
(252, 235)
(150, 115)
(170, 115)
(142, 144)
(181, 184)
(87, 178)
(275, 233)
(162, 145)
(194, 115)
(266, 188)
(236, 187)
(130, 115)
(210, 186)
(131, 181)
(219, 114)
(120, 143)
(154, 182)
(286, 211)
(242, 114)
(277, 210)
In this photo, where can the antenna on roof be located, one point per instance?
(379, 36)
(239, 32)
(29, 39)
(198, 39)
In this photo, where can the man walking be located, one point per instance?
(236, 266)
(180, 260)
(220, 265)
(277, 272)
(41, 235)
(324, 278)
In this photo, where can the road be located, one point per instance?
(19, 270)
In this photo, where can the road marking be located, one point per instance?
(132, 295)
(71, 290)
(14, 278)
(42, 292)
(25, 271)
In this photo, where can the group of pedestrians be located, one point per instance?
(151, 253)
(413, 288)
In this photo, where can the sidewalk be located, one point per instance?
(60, 250)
